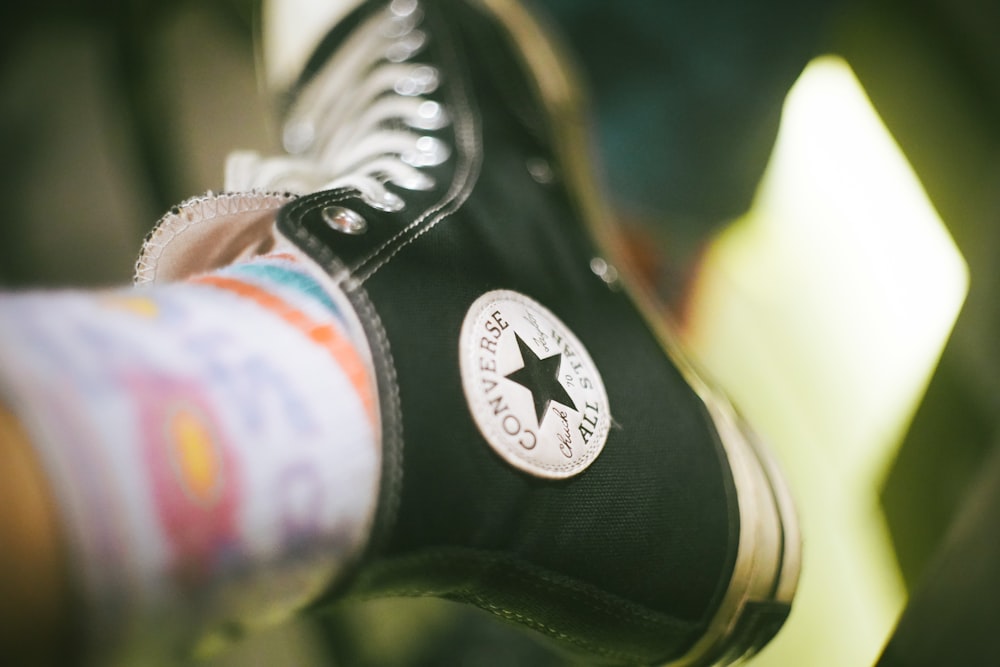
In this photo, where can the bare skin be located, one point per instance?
(34, 583)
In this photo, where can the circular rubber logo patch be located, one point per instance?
(533, 390)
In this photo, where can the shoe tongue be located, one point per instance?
(290, 32)
(207, 232)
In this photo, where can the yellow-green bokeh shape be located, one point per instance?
(823, 313)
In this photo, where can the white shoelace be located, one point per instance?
(359, 123)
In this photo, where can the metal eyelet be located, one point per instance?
(344, 220)
(605, 271)
(421, 80)
(404, 7)
(430, 115)
(406, 47)
(383, 200)
(427, 151)
(540, 170)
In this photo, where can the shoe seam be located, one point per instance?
(523, 619)
(172, 226)
(529, 576)
(548, 630)
(533, 575)
(466, 125)
(386, 379)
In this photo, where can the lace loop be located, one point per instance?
(362, 122)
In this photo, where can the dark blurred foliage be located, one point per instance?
(126, 26)
(932, 69)
(688, 98)
(90, 135)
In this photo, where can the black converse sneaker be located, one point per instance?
(550, 454)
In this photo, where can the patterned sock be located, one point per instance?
(212, 446)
